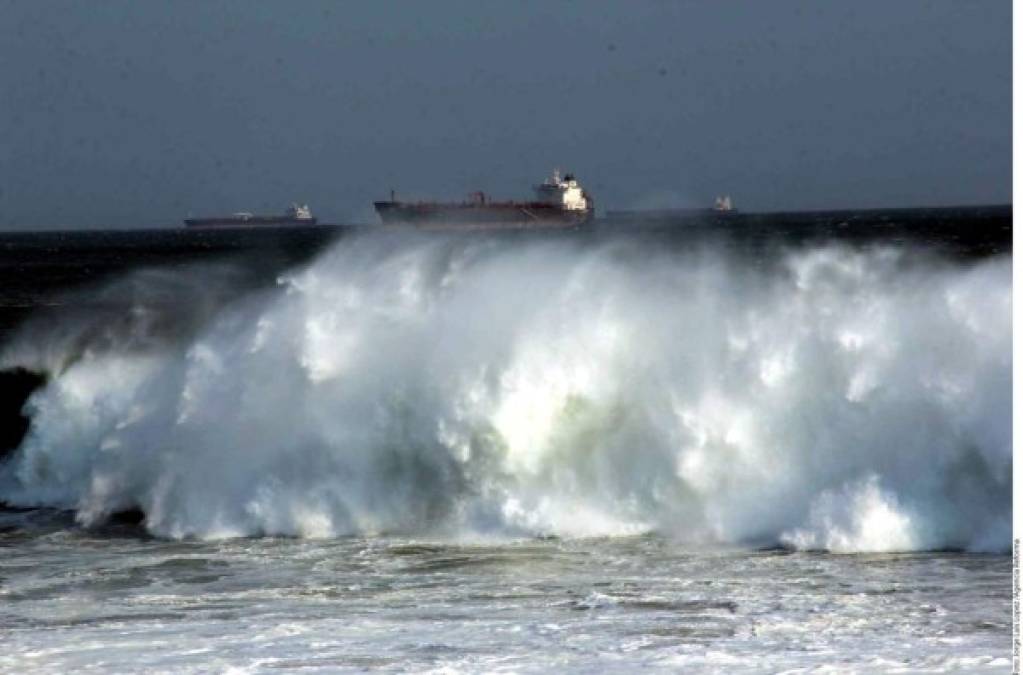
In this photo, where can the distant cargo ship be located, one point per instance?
(722, 206)
(560, 202)
(295, 215)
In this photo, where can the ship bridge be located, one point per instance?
(565, 192)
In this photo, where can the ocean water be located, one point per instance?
(106, 601)
(449, 453)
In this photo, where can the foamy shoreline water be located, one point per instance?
(75, 600)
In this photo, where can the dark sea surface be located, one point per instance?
(757, 443)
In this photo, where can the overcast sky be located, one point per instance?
(124, 113)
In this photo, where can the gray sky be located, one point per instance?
(125, 113)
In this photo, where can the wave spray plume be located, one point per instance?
(829, 399)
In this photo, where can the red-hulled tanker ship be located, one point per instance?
(560, 202)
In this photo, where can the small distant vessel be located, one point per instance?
(295, 215)
(560, 202)
(722, 206)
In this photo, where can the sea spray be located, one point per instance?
(451, 386)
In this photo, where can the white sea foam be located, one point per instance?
(831, 399)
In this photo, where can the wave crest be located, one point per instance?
(830, 399)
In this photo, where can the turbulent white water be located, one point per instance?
(841, 400)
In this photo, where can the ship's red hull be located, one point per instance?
(475, 215)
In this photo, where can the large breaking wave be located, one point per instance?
(829, 399)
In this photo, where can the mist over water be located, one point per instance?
(485, 387)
